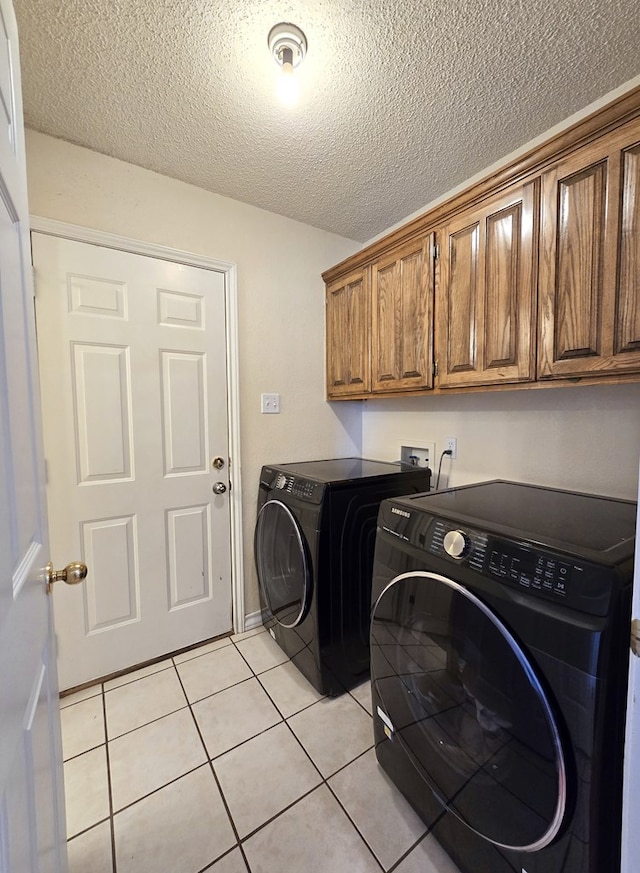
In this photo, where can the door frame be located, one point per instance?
(52, 227)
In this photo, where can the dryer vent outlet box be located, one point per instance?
(418, 457)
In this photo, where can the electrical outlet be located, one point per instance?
(418, 457)
(451, 445)
(270, 403)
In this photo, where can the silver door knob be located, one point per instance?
(217, 463)
(72, 574)
(219, 488)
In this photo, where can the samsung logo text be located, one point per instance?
(401, 512)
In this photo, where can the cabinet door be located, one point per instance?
(485, 297)
(590, 260)
(348, 333)
(402, 340)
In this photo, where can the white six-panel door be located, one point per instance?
(133, 368)
(32, 827)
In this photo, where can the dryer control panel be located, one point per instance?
(285, 483)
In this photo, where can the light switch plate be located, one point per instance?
(270, 403)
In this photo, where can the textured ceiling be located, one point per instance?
(401, 100)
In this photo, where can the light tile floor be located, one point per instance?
(226, 759)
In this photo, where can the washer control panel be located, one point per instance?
(459, 544)
(530, 569)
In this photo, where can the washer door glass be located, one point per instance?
(282, 564)
(459, 695)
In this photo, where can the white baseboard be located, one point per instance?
(253, 619)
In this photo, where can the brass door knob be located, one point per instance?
(73, 573)
(219, 488)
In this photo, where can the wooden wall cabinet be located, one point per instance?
(537, 280)
(348, 320)
(485, 299)
(402, 322)
(589, 291)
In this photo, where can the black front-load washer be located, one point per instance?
(499, 659)
(314, 542)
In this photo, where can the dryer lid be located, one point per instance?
(599, 528)
(334, 470)
(459, 695)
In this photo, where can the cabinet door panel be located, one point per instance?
(463, 293)
(347, 340)
(413, 362)
(502, 268)
(579, 256)
(388, 348)
(402, 295)
(589, 299)
(628, 298)
(485, 298)
(337, 375)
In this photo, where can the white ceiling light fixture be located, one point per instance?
(288, 45)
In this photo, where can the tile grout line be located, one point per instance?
(217, 781)
(109, 816)
(284, 720)
(144, 725)
(346, 812)
(324, 780)
(112, 827)
(417, 843)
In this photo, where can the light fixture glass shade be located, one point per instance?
(288, 87)
(288, 45)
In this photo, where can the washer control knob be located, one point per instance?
(456, 543)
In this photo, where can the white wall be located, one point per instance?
(585, 438)
(280, 295)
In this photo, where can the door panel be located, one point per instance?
(112, 589)
(184, 413)
(133, 363)
(32, 821)
(188, 556)
(101, 377)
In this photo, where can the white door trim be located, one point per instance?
(139, 247)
